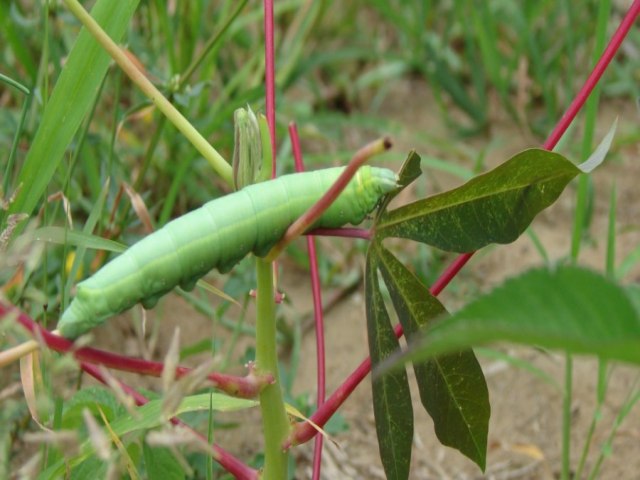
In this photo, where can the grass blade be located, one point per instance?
(71, 99)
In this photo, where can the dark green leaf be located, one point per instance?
(495, 207)
(409, 171)
(568, 308)
(452, 387)
(391, 396)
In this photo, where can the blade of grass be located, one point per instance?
(8, 171)
(603, 376)
(632, 399)
(212, 43)
(217, 162)
(581, 221)
(581, 215)
(72, 97)
(89, 225)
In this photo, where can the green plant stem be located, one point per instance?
(275, 422)
(627, 407)
(610, 262)
(8, 171)
(582, 214)
(566, 418)
(15, 84)
(602, 389)
(217, 162)
(603, 371)
(581, 221)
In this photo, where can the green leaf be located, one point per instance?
(62, 236)
(89, 225)
(392, 406)
(495, 207)
(452, 387)
(161, 463)
(150, 416)
(566, 307)
(72, 97)
(95, 399)
(92, 467)
(633, 292)
(409, 171)
(601, 151)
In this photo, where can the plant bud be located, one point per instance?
(247, 151)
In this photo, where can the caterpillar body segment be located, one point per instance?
(217, 235)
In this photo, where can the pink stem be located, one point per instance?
(317, 310)
(303, 432)
(451, 271)
(269, 78)
(244, 387)
(230, 463)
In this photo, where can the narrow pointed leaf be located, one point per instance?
(409, 171)
(391, 395)
(599, 154)
(567, 308)
(72, 97)
(495, 207)
(77, 238)
(452, 387)
(150, 414)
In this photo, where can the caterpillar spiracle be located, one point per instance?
(217, 235)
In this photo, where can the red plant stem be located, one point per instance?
(244, 387)
(230, 463)
(303, 431)
(269, 78)
(451, 271)
(317, 310)
(270, 98)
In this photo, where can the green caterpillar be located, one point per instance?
(217, 235)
